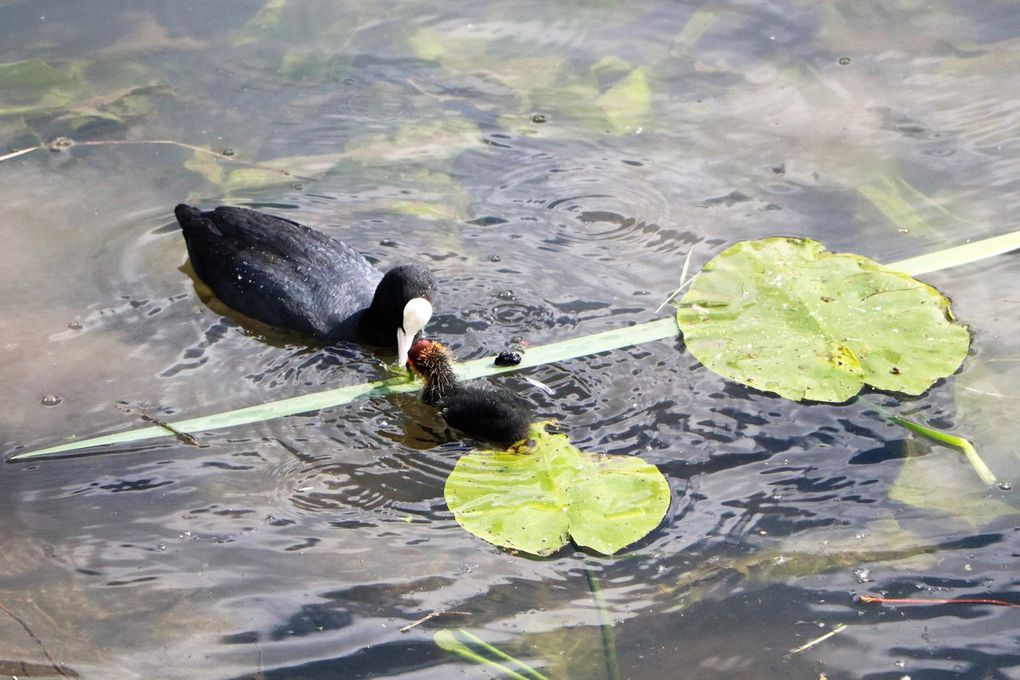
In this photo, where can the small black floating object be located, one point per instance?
(507, 358)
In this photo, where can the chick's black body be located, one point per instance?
(485, 413)
(296, 278)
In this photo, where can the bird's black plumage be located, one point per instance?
(296, 278)
(482, 412)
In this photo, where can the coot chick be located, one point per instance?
(298, 279)
(496, 415)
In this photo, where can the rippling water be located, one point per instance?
(553, 163)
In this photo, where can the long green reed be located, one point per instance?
(563, 350)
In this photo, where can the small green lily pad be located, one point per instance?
(542, 492)
(784, 315)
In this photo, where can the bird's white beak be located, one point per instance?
(417, 313)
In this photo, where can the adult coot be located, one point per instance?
(484, 413)
(295, 278)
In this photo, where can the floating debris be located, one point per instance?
(507, 358)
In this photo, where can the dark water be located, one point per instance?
(553, 163)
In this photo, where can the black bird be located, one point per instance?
(495, 415)
(298, 279)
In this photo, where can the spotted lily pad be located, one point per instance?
(542, 492)
(786, 316)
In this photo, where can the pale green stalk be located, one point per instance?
(563, 350)
(948, 438)
(958, 256)
(983, 471)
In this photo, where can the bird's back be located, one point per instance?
(278, 271)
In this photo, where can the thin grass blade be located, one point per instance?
(308, 403)
(563, 350)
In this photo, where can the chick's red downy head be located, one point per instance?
(427, 357)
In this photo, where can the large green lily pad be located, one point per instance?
(786, 316)
(538, 494)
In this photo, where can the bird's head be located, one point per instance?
(403, 300)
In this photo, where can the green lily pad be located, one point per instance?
(786, 316)
(541, 492)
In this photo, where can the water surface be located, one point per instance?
(553, 163)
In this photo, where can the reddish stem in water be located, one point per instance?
(869, 599)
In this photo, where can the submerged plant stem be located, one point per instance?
(451, 643)
(605, 624)
(871, 599)
(948, 438)
(474, 657)
(983, 471)
(956, 441)
(161, 142)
